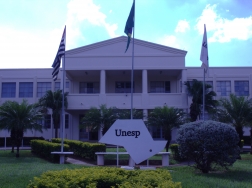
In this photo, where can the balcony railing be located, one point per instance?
(123, 100)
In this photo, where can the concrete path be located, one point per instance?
(75, 161)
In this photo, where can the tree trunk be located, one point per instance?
(56, 132)
(251, 141)
(17, 154)
(168, 138)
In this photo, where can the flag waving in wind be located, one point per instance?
(204, 50)
(130, 24)
(60, 53)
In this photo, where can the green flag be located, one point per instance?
(130, 24)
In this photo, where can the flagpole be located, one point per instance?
(63, 102)
(132, 68)
(204, 95)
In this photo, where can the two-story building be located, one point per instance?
(100, 73)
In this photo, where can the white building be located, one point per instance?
(100, 73)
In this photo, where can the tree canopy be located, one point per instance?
(167, 118)
(18, 118)
(53, 101)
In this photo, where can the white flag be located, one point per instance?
(60, 53)
(204, 50)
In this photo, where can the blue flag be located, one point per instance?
(130, 24)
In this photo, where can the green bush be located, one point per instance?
(209, 144)
(175, 152)
(104, 178)
(44, 148)
(83, 149)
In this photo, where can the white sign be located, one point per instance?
(134, 136)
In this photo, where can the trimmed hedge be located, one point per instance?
(105, 178)
(83, 149)
(44, 148)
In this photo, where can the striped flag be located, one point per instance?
(204, 50)
(130, 24)
(60, 53)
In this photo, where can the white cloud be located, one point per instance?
(80, 11)
(224, 30)
(182, 26)
(169, 40)
(28, 49)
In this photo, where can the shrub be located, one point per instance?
(105, 177)
(175, 152)
(83, 149)
(44, 148)
(209, 143)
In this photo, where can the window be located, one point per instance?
(9, 90)
(89, 87)
(25, 89)
(241, 88)
(123, 87)
(56, 86)
(46, 122)
(42, 87)
(157, 133)
(223, 88)
(66, 121)
(67, 85)
(160, 87)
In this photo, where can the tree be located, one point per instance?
(195, 89)
(98, 119)
(167, 118)
(236, 111)
(209, 144)
(53, 101)
(18, 118)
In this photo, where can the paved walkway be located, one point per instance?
(75, 161)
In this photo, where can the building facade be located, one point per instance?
(100, 73)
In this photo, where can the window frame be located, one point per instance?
(9, 91)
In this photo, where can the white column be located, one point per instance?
(103, 82)
(144, 82)
(145, 113)
(184, 79)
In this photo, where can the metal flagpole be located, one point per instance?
(63, 102)
(204, 96)
(132, 69)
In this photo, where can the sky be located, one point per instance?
(31, 30)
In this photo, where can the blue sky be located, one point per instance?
(30, 30)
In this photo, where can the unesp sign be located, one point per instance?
(134, 136)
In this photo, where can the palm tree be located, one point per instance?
(167, 118)
(18, 118)
(98, 119)
(53, 101)
(195, 89)
(236, 111)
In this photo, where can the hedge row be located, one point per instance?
(104, 178)
(26, 141)
(83, 149)
(44, 148)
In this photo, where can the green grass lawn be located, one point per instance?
(239, 176)
(126, 157)
(17, 172)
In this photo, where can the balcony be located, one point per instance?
(123, 100)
